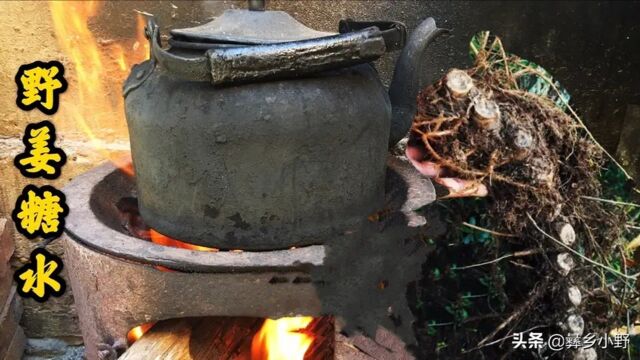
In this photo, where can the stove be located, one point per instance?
(120, 281)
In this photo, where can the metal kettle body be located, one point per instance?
(262, 165)
(256, 161)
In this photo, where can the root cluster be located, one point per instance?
(501, 268)
(531, 155)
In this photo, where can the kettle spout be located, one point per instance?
(406, 84)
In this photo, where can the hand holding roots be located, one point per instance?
(522, 147)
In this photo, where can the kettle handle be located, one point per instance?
(233, 65)
(394, 33)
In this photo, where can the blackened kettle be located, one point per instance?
(255, 132)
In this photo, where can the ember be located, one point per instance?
(137, 332)
(164, 240)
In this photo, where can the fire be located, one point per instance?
(282, 339)
(164, 240)
(98, 67)
(141, 43)
(160, 239)
(136, 333)
(118, 54)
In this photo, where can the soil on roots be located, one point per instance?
(495, 273)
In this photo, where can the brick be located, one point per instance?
(6, 250)
(17, 345)
(9, 322)
(6, 285)
(6, 244)
(55, 318)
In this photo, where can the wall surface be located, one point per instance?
(593, 48)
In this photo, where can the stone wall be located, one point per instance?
(591, 48)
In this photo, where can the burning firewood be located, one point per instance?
(233, 338)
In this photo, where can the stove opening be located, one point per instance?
(291, 338)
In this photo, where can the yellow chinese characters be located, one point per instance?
(41, 157)
(40, 278)
(39, 86)
(40, 212)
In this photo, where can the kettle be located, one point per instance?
(256, 132)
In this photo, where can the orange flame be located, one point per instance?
(164, 240)
(118, 54)
(282, 339)
(141, 45)
(136, 333)
(100, 66)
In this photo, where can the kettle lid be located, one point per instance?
(242, 46)
(251, 26)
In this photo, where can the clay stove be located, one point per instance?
(120, 281)
(117, 284)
